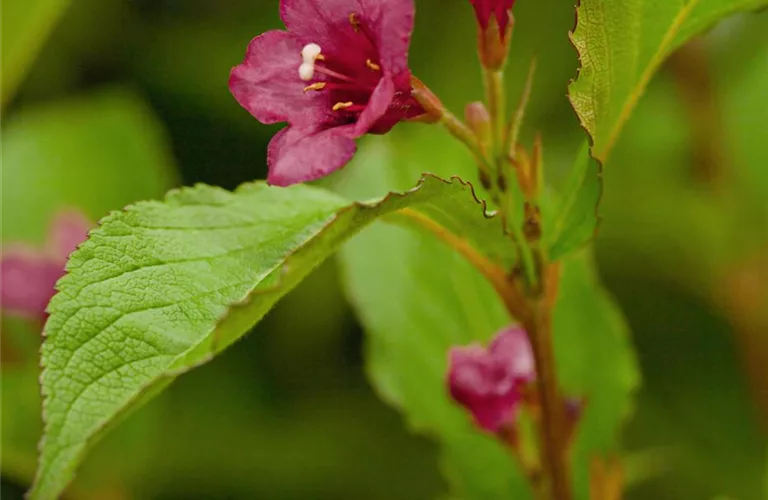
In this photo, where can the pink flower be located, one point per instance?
(488, 382)
(338, 72)
(484, 9)
(28, 274)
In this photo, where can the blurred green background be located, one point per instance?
(121, 101)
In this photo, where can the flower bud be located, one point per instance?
(488, 382)
(495, 23)
(478, 119)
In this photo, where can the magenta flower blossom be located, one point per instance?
(488, 382)
(338, 72)
(28, 274)
(484, 9)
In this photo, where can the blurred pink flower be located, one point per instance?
(488, 382)
(338, 72)
(484, 9)
(28, 274)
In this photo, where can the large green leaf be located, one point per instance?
(94, 153)
(25, 27)
(163, 286)
(417, 298)
(621, 44)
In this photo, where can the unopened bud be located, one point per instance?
(495, 20)
(493, 43)
(479, 121)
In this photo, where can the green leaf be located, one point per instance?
(577, 219)
(94, 153)
(595, 359)
(440, 301)
(621, 45)
(164, 286)
(25, 28)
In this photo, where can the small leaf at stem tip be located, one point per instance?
(577, 219)
(516, 123)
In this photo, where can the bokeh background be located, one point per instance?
(109, 102)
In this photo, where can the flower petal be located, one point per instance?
(472, 384)
(267, 83)
(377, 106)
(392, 23)
(326, 22)
(68, 229)
(27, 279)
(297, 155)
(512, 350)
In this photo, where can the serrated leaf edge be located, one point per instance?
(242, 304)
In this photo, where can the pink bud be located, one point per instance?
(495, 22)
(479, 120)
(487, 382)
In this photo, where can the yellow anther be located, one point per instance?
(319, 57)
(342, 105)
(372, 65)
(354, 20)
(315, 86)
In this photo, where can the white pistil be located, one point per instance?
(307, 71)
(310, 52)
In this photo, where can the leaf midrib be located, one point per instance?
(637, 91)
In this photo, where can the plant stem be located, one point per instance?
(506, 205)
(554, 459)
(532, 307)
(494, 89)
(496, 276)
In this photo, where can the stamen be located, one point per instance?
(342, 105)
(311, 52)
(315, 86)
(307, 71)
(354, 20)
(372, 65)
